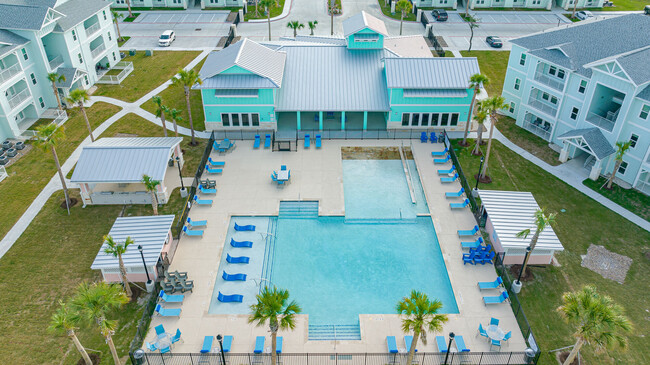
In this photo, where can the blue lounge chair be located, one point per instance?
(469, 257)
(242, 244)
(468, 232)
(433, 137)
(193, 232)
(202, 201)
(473, 244)
(439, 153)
(178, 298)
(237, 260)
(482, 332)
(193, 224)
(460, 344)
(462, 205)
(207, 191)
(392, 345)
(248, 227)
(496, 299)
(233, 277)
(448, 171)
(214, 163)
(496, 343)
(494, 321)
(211, 170)
(160, 330)
(256, 144)
(442, 160)
(164, 350)
(177, 336)
(318, 141)
(307, 141)
(267, 141)
(234, 298)
(167, 312)
(442, 344)
(457, 194)
(408, 341)
(207, 344)
(259, 344)
(449, 179)
(487, 285)
(484, 259)
(423, 137)
(150, 347)
(278, 345)
(227, 343)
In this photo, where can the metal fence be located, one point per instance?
(463, 180)
(325, 134)
(434, 42)
(143, 324)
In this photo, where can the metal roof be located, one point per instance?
(321, 39)
(10, 42)
(124, 160)
(149, 232)
(362, 21)
(594, 138)
(512, 212)
(232, 81)
(250, 93)
(435, 93)
(77, 11)
(332, 78)
(430, 73)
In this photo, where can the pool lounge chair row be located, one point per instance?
(267, 141)
(449, 179)
(440, 341)
(444, 160)
(392, 345)
(259, 345)
(462, 205)
(432, 137)
(308, 141)
(480, 255)
(209, 340)
(167, 298)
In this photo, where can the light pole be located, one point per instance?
(223, 357)
(478, 177)
(451, 339)
(516, 285)
(178, 163)
(145, 267)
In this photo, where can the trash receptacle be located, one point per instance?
(132, 52)
(138, 356)
(148, 52)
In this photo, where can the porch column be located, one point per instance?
(564, 154)
(298, 120)
(595, 170)
(320, 121)
(342, 121)
(365, 121)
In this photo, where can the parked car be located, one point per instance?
(166, 38)
(440, 15)
(494, 41)
(584, 15)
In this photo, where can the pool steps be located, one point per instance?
(325, 332)
(298, 210)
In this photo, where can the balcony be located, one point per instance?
(9, 72)
(55, 62)
(542, 107)
(16, 99)
(606, 122)
(93, 29)
(98, 50)
(537, 126)
(550, 81)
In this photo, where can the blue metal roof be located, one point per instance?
(430, 73)
(234, 81)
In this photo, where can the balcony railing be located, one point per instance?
(600, 121)
(55, 62)
(538, 130)
(126, 67)
(542, 107)
(19, 98)
(547, 80)
(98, 50)
(93, 29)
(9, 72)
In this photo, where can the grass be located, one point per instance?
(148, 73)
(275, 11)
(29, 175)
(231, 8)
(622, 5)
(630, 199)
(130, 19)
(527, 140)
(174, 98)
(124, 40)
(493, 64)
(568, 16)
(584, 222)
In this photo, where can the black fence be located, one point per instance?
(325, 134)
(434, 42)
(420, 358)
(143, 324)
(463, 181)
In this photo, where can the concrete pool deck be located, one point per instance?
(245, 188)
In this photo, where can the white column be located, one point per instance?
(564, 154)
(595, 170)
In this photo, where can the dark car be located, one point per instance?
(494, 41)
(440, 15)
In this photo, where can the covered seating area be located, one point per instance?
(589, 140)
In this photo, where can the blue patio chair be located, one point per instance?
(494, 321)
(507, 337)
(216, 163)
(206, 191)
(207, 344)
(167, 312)
(392, 345)
(448, 171)
(233, 298)
(473, 244)
(241, 244)
(462, 205)
(423, 137)
(468, 232)
(439, 153)
(160, 330)
(469, 257)
(150, 347)
(274, 176)
(496, 343)
(211, 170)
(442, 344)
(267, 141)
(256, 144)
(227, 343)
(283, 167)
(496, 299)
(177, 336)
(456, 194)
(233, 277)
(248, 227)
(460, 344)
(318, 141)
(237, 260)
(449, 179)
(487, 285)
(408, 342)
(278, 345)
(193, 224)
(259, 344)
(193, 232)
(307, 141)
(482, 332)
(442, 160)
(167, 298)
(433, 137)
(487, 258)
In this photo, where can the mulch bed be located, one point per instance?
(526, 276)
(608, 264)
(565, 354)
(484, 180)
(73, 202)
(94, 357)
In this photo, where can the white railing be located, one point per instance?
(538, 130)
(55, 62)
(98, 50)
(19, 98)
(3, 173)
(93, 29)
(549, 81)
(600, 121)
(126, 67)
(9, 72)
(58, 116)
(542, 107)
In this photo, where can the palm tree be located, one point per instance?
(476, 81)
(176, 117)
(420, 315)
(187, 79)
(472, 22)
(116, 17)
(492, 105)
(467, 7)
(151, 186)
(79, 97)
(542, 220)
(295, 25)
(117, 249)
(47, 138)
(404, 7)
(312, 25)
(66, 320)
(94, 302)
(621, 149)
(268, 5)
(128, 4)
(480, 117)
(54, 78)
(273, 307)
(161, 110)
(597, 319)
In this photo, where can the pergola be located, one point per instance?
(590, 140)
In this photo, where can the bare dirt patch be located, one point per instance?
(608, 264)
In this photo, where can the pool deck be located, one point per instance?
(245, 188)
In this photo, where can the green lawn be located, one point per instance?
(493, 64)
(623, 5)
(130, 19)
(630, 199)
(275, 11)
(124, 40)
(527, 140)
(148, 73)
(584, 222)
(29, 175)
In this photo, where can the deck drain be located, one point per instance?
(197, 29)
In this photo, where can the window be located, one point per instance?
(546, 96)
(225, 119)
(114, 58)
(25, 56)
(81, 60)
(33, 77)
(517, 84)
(74, 35)
(255, 119)
(435, 119)
(454, 119)
(104, 14)
(406, 117)
(86, 79)
(512, 107)
(522, 60)
(622, 168)
(560, 74)
(445, 119)
(574, 113)
(245, 120)
(425, 119)
(552, 70)
(553, 100)
(41, 102)
(109, 36)
(582, 87)
(415, 120)
(234, 118)
(633, 140)
(644, 112)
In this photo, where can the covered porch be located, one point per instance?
(330, 120)
(589, 140)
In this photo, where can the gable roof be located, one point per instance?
(361, 21)
(30, 14)
(71, 74)
(76, 11)
(250, 56)
(22, 16)
(637, 65)
(10, 41)
(644, 94)
(594, 138)
(430, 73)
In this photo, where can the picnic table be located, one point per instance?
(224, 145)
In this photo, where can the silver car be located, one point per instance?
(584, 15)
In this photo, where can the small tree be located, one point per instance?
(175, 114)
(480, 117)
(268, 5)
(161, 110)
(312, 25)
(47, 138)
(542, 220)
(117, 249)
(493, 105)
(472, 22)
(79, 97)
(54, 78)
(420, 315)
(597, 320)
(404, 7)
(151, 185)
(187, 79)
(621, 149)
(128, 5)
(575, 6)
(67, 320)
(476, 81)
(116, 17)
(295, 25)
(273, 306)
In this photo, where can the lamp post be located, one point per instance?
(478, 177)
(178, 163)
(149, 282)
(223, 357)
(451, 339)
(516, 285)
